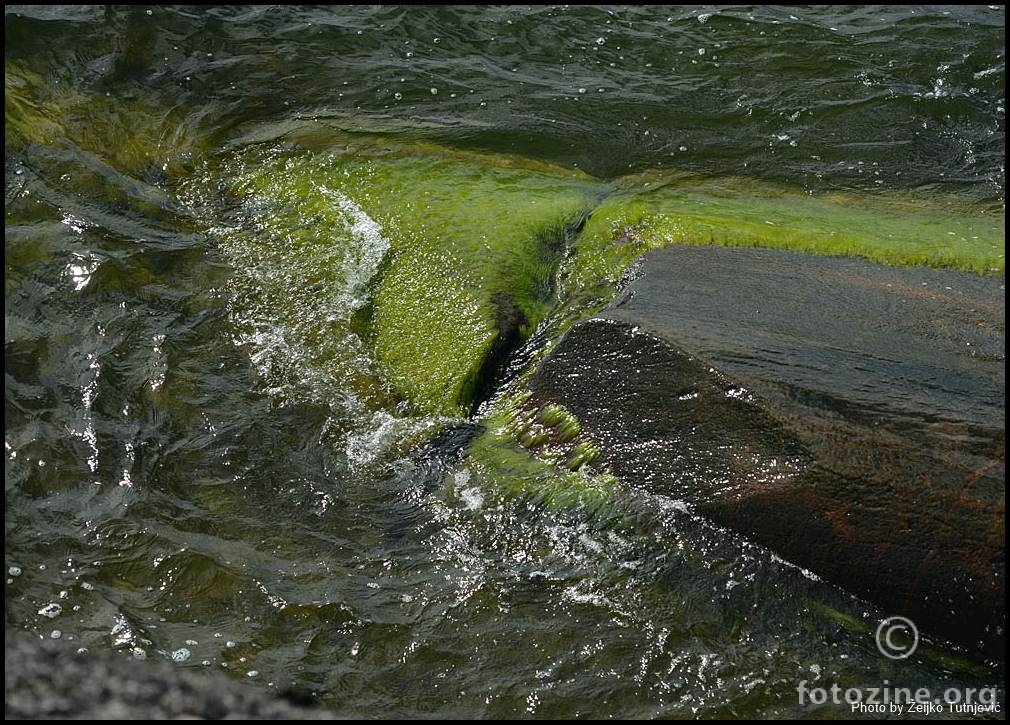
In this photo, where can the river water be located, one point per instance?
(188, 474)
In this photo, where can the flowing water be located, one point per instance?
(205, 462)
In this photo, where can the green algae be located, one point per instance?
(564, 424)
(131, 133)
(654, 210)
(468, 268)
(25, 116)
(471, 268)
(515, 471)
(547, 444)
(538, 453)
(582, 454)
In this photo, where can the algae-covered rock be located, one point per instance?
(471, 274)
(406, 274)
(430, 266)
(442, 262)
(133, 134)
(481, 248)
(396, 279)
(515, 471)
(655, 210)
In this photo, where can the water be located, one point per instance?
(203, 456)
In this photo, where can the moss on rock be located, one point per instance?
(654, 210)
(516, 471)
(131, 133)
(448, 260)
(472, 250)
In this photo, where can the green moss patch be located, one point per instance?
(539, 473)
(653, 211)
(469, 251)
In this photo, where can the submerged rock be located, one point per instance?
(462, 248)
(847, 415)
(442, 261)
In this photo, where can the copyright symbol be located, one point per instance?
(892, 638)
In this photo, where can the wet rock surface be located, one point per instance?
(48, 679)
(847, 415)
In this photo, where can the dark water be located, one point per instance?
(862, 97)
(169, 501)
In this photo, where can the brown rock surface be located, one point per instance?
(847, 415)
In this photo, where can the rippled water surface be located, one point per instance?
(203, 461)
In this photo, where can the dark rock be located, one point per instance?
(48, 679)
(510, 323)
(847, 415)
